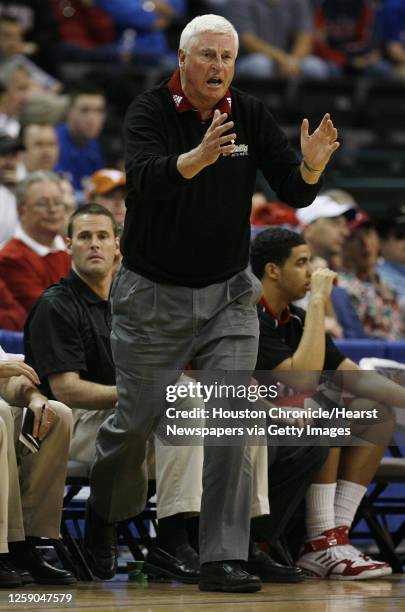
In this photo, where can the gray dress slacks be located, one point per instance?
(156, 331)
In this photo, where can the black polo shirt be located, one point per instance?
(68, 331)
(280, 338)
(196, 232)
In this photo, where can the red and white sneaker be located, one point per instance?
(385, 568)
(330, 555)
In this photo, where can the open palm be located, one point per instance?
(317, 148)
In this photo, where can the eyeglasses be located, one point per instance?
(48, 204)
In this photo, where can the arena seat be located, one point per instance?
(356, 349)
(383, 509)
(382, 106)
(135, 533)
(314, 97)
(272, 91)
(12, 342)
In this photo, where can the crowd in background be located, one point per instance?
(53, 121)
(68, 69)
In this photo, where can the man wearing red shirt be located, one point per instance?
(36, 256)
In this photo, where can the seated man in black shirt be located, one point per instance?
(74, 361)
(294, 341)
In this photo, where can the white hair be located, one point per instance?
(38, 176)
(206, 23)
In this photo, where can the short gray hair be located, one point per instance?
(8, 70)
(206, 23)
(39, 176)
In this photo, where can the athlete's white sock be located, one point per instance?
(347, 499)
(320, 511)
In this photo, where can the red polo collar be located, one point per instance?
(183, 105)
(285, 315)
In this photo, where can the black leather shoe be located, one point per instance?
(25, 576)
(9, 577)
(268, 570)
(229, 577)
(100, 545)
(25, 558)
(183, 566)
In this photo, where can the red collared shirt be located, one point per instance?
(284, 316)
(182, 103)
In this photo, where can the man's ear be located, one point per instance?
(271, 270)
(69, 245)
(182, 56)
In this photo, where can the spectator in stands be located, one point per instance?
(107, 187)
(79, 150)
(13, 47)
(15, 88)
(391, 268)
(292, 341)
(42, 107)
(276, 38)
(32, 495)
(393, 34)
(376, 303)
(346, 39)
(273, 213)
(325, 228)
(39, 30)
(36, 256)
(11, 37)
(41, 148)
(86, 32)
(143, 28)
(10, 151)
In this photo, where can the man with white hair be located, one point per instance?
(184, 294)
(36, 256)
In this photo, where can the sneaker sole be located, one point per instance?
(360, 577)
(364, 576)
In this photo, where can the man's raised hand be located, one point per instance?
(215, 141)
(318, 147)
(322, 281)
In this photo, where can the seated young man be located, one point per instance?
(293, 341)
(31, 497)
